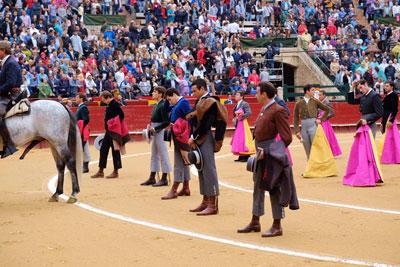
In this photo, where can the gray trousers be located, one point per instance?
(159, 152)
(259, 194)
(308, 129)
(86, 152)
(181, 171)
(208, 178)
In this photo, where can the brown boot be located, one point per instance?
(253, 226)
(212, 207)
(172, 193)
(275, 230)
(99, 174)
(185, 189)
(202, 206)
(114, 174)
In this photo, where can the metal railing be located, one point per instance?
(289, 91)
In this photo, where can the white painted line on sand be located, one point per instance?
(305, 200)
(52, 187)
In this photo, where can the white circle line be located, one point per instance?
(312, 256)
(305, 200)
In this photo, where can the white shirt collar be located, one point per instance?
(4, 60)
(206, 94)
(239, 102)
(268, 105)
(370, 89)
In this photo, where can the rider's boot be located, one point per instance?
(8, 147)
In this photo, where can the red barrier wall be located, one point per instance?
(138, 116)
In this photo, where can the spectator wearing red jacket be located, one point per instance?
(201, 55)
(254, 77)
(302, 28)
(331, 30)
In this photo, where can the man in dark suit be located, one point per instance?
(241, 104)
(390, 106)
(83, 119)
(10, 81)
(370, 106)
(113, 109)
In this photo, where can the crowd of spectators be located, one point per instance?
(353, 51)
(182, 40)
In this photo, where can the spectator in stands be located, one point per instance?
(44, 89)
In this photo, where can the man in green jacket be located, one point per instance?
(159, 149)
(306, 109)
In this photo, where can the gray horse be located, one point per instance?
(51, 121)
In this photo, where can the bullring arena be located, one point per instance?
(118, 222)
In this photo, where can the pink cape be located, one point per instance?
(118, 130)
(242, 142)
(330, 135)
(85, 132)
(391, 147)
(362, 167)
(181, 130)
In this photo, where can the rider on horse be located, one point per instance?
(10, 81)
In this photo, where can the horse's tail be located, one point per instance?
(75, 143)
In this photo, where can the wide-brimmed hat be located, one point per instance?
(98, 141)
(251, 164)
(147, 133)
(195, 157)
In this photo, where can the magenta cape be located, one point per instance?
(363, 169)
(242, 141)
(330, 135)
(391, 146)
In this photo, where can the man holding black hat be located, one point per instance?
(208, 113)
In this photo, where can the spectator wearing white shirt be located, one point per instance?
(119, 77)
(144, 86)
(77, 43)
(228, 49)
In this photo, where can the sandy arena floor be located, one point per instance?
(146, 231)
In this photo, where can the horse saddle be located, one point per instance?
(18, 106)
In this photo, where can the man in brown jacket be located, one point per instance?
(272, 120)
(306, 109)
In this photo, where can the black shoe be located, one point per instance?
(240, 159)
(244, 159)
(8, 151)
(149, 181)
(163, 181)
(85, 168)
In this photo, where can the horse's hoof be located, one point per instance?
(53, 198)
(72, 200)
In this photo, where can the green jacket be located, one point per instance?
(303, 111)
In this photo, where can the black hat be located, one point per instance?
(195, 157)
(251, 164)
